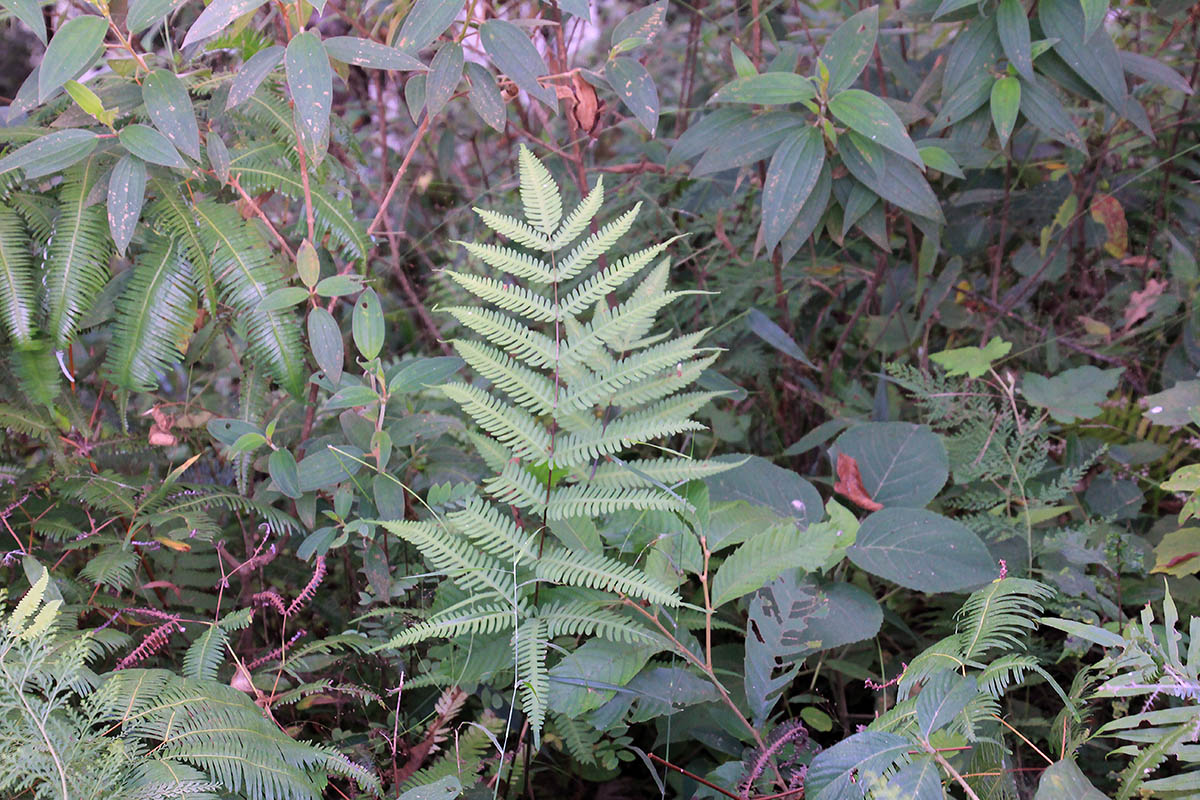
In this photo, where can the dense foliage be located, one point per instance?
(735, 399)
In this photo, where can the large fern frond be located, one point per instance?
(463, 563)
(596, 571)
(995, 616)
(18, 300)
(539, 193)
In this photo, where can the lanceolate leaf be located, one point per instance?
(1013, 27)
(252, 74)
(29, 12)
(18, 301)
(126, 193)
(770, 88)
(791, 177)
(444, 74)
(1045, 111)
(325, 340)
(144, 13)
(74, 46)
(367, 53)
(310, 80)
(849, 49)
(874, 119)
(1093, 57)
(894, 179)
(150, 145)
(425, 21)
(50, 153)
(485, 96)
(517, 58)
(171, 111)
(747, 143)
(219, 14)
(633, 84)
(1006, 102)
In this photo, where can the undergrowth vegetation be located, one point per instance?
(719, 400)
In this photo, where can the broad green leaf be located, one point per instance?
(1094, 12)
(367, 324)
(966, 98)
(310, 81)
(971, 361)
(325, 339)
(216, 17)
(512, 52)
(742, 64)
(942, 698)
(768, 554)
(171, 111)
(921, 550)
(642, 25)
(849, 49)
(283, 297)
(809, 217)
(1172, 406)
(594, 673)
(425, 21)
(88, 101)
(973, 55)
(764, 328)
(414, 96)
(1046, 112)
(874, 119)
(791, 177)
(413, 376)
(444, 74)
(1063, 780)
(840, 771)
(389, 497)
(126, 193)
(920, 779)
(1178, 553)
(768, 89)
(894, 179)
(744, 144)
(1093, 57)
(328, 466)
(151, 146)
(282, 466)
(761, 483)
(218, 156)
(370, 54)
(72, 50)
(1006, 102)
(699, 137)
(633, 84)
(1074, 394)
(1013, 27)
(29, 12)
(901, 464)
(251, 74)
(339, 285)
(144, 13)
(938, 159)
(485, 96)
(50, 153)
(228, 431)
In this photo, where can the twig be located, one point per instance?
(387, 198)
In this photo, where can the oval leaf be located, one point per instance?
(444, 74)
(283, 469)
(901, 464)
(71, 51)
(150, 145)
(515, 56)
(29, 12)
(485, 96)
(426, 20)
(252, 73)
(283, 297)
(1006, 102)
(50, 153)
(171, 111)
(325, 339)
(367, 324)
(921, 550)
(849, 49)
(768, 89)
(126, 192)
(413, 376)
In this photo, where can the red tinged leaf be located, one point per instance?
(1107, 210)
(1177, 560)
(849, 483)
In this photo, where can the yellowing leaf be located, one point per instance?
(1107, 210)
(1178, 554)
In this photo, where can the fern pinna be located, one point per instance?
(569, 376)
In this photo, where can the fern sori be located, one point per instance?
(569, 377)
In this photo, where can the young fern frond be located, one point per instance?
(1000, 615)
(539, 194)
(531, 646)
(577, 221)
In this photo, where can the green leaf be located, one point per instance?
(29, 12)
(444, 74)
(937, 158)
(761, 483)
(144, 13)
(791, 177)
(849, 49)
(840, 771)
(325, 339)
(86, 99)
(515, 56)
(874, 119)
(425, 21)
(367, 324)
(73, 48)
(1094, 12)
(369, 54)
(310, 81)
(762, 327)
(216, 17)
(1173, 406)
(1006, 102)
(971, 361)
(126, 193)
(901, 464)
(150, 145)
(921, 550)
(1155, 71)
(943, 697)
(389, 497)
(308, 264)
(767, 555)
(742, 64)
(699, 137)
(642, 25)
(746, 143)
(966, 98)
(1092, 56)
(283, 297)
(228, 431)
(1046, 112)
(1074, 394)
(1013, 27)
(414, 376)
(1063, 780)
(19, 306)
(170, 109)
(920, 779)
(339, 285)
(248, 442)
(485, 96)
(252, 74)
(414, 96)
(892, 178)
(1178, 553)
(326, 467)
(633, 84)
(768, 89)
(283, 469)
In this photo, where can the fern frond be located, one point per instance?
(578, 220)
(508, 296)
(586, 500)
(539, 193)
(596, 245)
(517, 487)
(666, 383)
(596, 571)
(609, 326)
(582, 618)
(469, 618)
(526, 388)
(635, 367)
(531, 646)
(998, 614)
(464, 564)
(997, 676)
(514, 262)
(154, 317)
(204, 656)
(616, 275)
(644, 426)
(493, 533)
(112, 566)
(512, 427)
(649, 472)
(76, 265)
(514, 229)
(18, 301)
(173, 217)
(513, 337)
